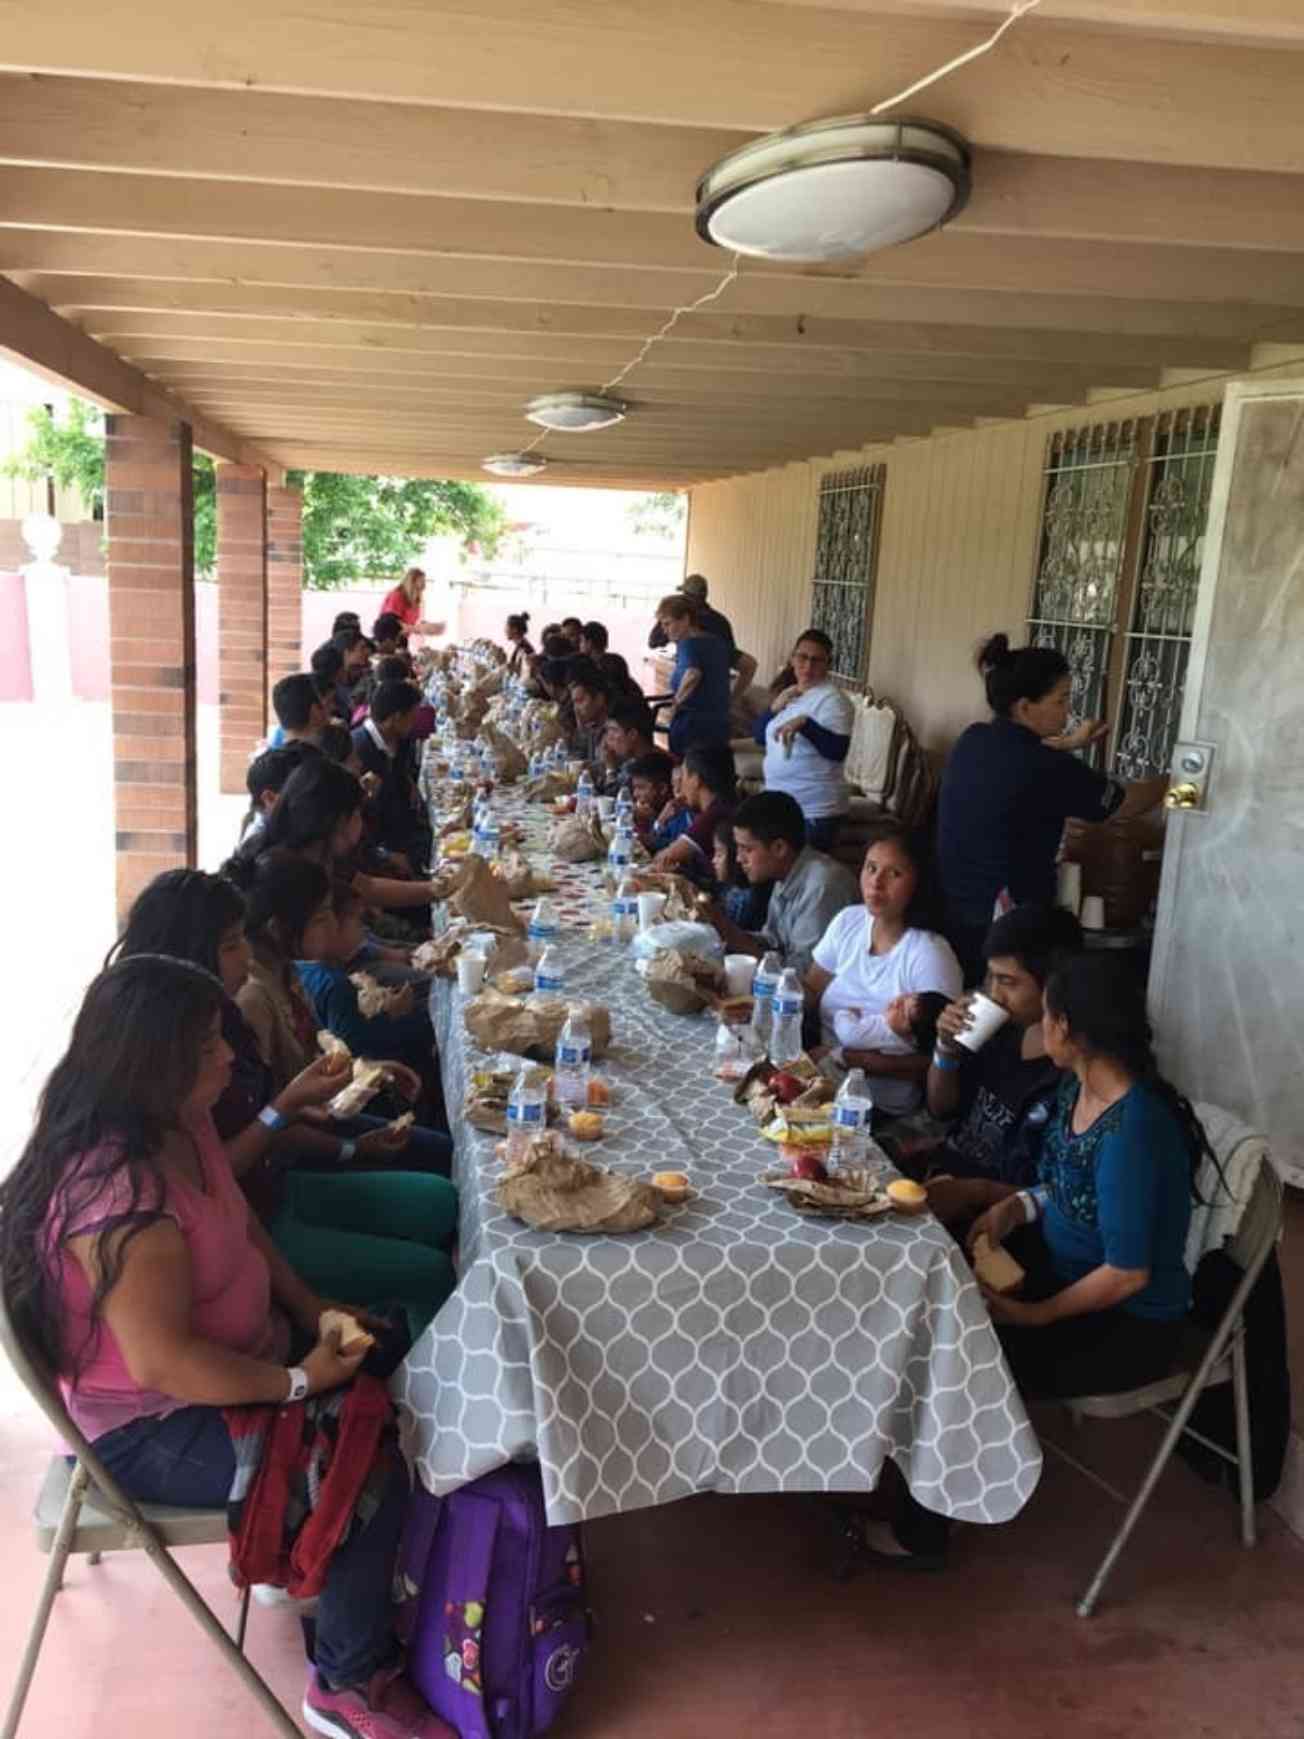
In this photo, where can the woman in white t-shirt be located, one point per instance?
(806, 735)
(872, 953)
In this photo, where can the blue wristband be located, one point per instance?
(272, 1119)
(347, 1153)
(948, 1065)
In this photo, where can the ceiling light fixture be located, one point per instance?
(514, 464)
(575, 412)
(836, 189)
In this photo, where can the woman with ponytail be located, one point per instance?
(1103, 1235)
(1009, 788)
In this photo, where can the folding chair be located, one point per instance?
(1245, 1215)
(83, 1510)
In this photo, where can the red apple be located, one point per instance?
(787, 1087)
(806, 1162)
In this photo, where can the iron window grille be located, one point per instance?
(846, 558)
(1122, 536)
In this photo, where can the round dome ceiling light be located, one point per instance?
(575, 412)
(514, 464)
(834, 190)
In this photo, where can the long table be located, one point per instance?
(734, 1347)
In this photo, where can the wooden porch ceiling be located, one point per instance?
(362, 236)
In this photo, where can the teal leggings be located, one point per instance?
(371, 1238)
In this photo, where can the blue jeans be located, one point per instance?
(426, 1150)
(822, 834)
(186, 1459)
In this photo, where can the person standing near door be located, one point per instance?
(1008, 789)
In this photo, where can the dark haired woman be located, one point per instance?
(806, 733)
(1008, 789)
(384, 1236)
(1103, 1235)
(518, 638)
(873, 953)
(131, 1263)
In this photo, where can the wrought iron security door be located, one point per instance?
(846, 553)
(1122, 530)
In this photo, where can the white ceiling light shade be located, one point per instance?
(833, 190)
(575, 412)
(514, 464)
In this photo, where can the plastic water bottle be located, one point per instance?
(853, 1112)
(488, 766)
(624, 910)
(584, 793)
(620, 853)
(572, 1062)
(785, 1025)
(488, 838)
(549, 973)
(763, 987)
(527, 1112)
(544, 927)
(625, 806)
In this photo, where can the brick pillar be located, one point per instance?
(242, 617)
(284, 585)
(149, 512)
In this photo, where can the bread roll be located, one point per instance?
(354, 1339)
(995, 1267)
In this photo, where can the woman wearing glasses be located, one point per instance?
(806, 735)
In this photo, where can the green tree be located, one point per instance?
(657, 515)
(353, 527)
(375, 527)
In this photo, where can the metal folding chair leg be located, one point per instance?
(59, 1550)
(1244, 1448)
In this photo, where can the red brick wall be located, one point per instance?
(242, 617)
(151, 647)
(284, 579)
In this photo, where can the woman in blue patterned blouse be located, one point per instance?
(1103, 1235)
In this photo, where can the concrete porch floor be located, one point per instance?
(714, 1616)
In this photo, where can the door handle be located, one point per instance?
(1182, 797)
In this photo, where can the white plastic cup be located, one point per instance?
(1070, 887)
(606, 807)
(650, 907)
(1093, 912)
(739, 971)
(470, 973)
(985, 1018)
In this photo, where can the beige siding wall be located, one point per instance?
(957, 548)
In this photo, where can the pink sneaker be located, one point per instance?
(352, 1713)
(392, 1691)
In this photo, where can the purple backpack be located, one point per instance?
(494, 1614)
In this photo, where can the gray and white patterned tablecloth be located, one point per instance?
(735, 1347)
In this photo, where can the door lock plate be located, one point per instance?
(1191, 770)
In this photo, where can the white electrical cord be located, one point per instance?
(1016, 12)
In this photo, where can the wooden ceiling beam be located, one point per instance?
(701, 63)
(35, 338)
(399, 156)
(772, 371)
(368, 461)
(1245, 21)
(1031, 269)
(1014, 195)
(489, 328)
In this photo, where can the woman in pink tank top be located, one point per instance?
(132, 1264)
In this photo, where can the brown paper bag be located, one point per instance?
(577, 839)
(522, 882)
(530, 1029)
(509, 762)
(482, 898)
(685, 901)
(554, 1192)
(681, 982)
(487, 1094)
(548, 787)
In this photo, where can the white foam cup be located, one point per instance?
(470, 972)
(739, 970)
(985, 1018)
(650, 907)
(1093, 912)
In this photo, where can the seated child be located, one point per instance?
(908, 1023)
(404, 1032)
(745, 904)
(672, 820)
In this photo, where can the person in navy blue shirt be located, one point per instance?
(702, 679)
(1009, 787)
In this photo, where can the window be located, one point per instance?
(846, 552)
(1122, 537)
